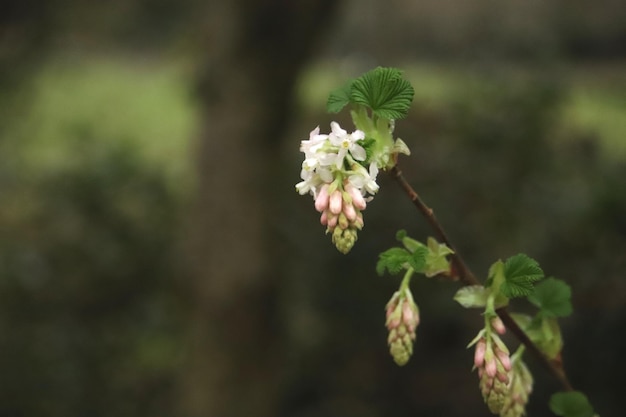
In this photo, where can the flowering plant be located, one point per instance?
(340, 171)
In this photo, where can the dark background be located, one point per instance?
(156, 261)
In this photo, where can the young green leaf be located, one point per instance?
(393, 260)
(553, 297)
(339, 98)
(472, 296)
(411, 244)
(436, 261)
(369, 144)
(546, 334)
(418, 258)
(520, 272)
(384, 91)
(401, 234)
(571, 404)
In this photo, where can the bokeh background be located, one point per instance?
(156, 261)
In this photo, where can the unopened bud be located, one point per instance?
(322, 199)
(357, 198)
(479, 354)
(498, 325)
(349, 211)
(344, 239)
(343, 221)
(358, 222)
(402, 320)
(332, 220)
(492, 360)
(335, 203)
(520, 388)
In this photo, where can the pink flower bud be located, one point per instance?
(336, 201)
(504, 358)
(321, 201)
(498, 326)
(358, 222)
(348, 210)
(502, 377)
(409, 315)
(393, 322)
(324, 218)
(491, 367)
(357, 197)
(332, 220)
(479, 354)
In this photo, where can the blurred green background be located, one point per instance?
(156, 261)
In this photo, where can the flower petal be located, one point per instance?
(358, 152)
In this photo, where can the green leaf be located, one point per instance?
(369, 144)
(411, 244)
(384, 91)
(553, 297)
(401, 234)
(339, 98)
(393, 260)
(436, 261)
(472, 296)
(571, 404)
(546, 334)
(520, 271)
(494, 270)
(418, 258)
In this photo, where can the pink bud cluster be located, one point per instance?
(341, 213)
(491, 358)
(520, 389)
(340, 207)
(402, 320)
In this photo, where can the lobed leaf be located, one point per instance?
(571, 404)
(520, 272)
(418, 258)
(553, 297)
(384, 91)
(472, 296)
(393, 260)
(338, 99)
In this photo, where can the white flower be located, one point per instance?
(308, 167)
(364, 180)
(346, 142)
(308, 185)
(315, 142)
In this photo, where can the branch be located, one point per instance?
(555, 367)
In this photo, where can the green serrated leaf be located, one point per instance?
(520, 272)
(571, 404)
(553, 297)
(418, 258)
(393, 260)
(369, 144)
(437, 261)
(384, 91)
(339, 98)
(411, 244)
(472, 296)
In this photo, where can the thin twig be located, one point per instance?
(466, 277)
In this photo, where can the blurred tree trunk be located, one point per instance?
(256, 49)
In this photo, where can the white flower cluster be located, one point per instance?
(339, 184)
